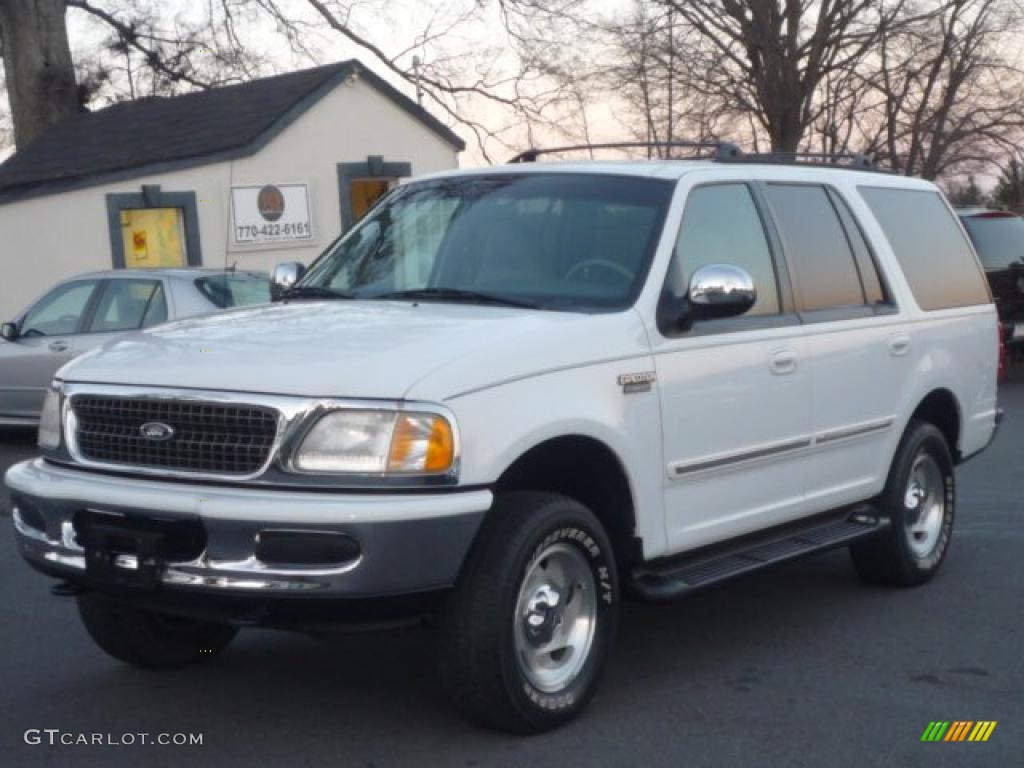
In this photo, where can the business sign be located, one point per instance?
(275, 214)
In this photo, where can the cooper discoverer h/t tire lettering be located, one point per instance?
(523, 637)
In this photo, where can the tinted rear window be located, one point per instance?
(931, 249)
(999, 240)
(234, 289)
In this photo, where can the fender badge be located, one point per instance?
(637, 382)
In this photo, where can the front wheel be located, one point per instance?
(524, 635)
(919, 500)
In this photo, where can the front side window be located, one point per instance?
(555, 241)
(58, 313)
(721, 225)
(816, 246)
(127, 303)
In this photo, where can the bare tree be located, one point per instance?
(38, 71)
(495, 71)
(947, 95)
(663, 81)
(770, 58)
(929, 87)
(142, 54)
(156, 54)
(475, 67)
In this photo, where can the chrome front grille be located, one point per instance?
(204, 437)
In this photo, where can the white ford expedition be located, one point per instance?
(508, 397)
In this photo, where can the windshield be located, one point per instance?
(235, 289)
(556, 241)
(999, 240)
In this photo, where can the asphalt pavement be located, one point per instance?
(799, 666)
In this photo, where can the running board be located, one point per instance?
(669, 579)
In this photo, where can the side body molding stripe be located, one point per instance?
(677, 469)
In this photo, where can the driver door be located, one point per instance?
(46, 336)
(735, 394)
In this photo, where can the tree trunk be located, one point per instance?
(40, 75)
(785, 129)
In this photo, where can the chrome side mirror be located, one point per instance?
(721, 290)
(284, 277)
(9, 331)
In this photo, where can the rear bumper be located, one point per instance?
(400, 544)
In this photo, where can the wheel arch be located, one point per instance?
(588, 470)
(942, 408)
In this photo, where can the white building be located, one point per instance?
(266, 171)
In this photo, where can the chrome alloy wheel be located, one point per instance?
(555, 619)
(925, 503)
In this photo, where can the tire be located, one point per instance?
(913, 548)
(495, 663)
(147, 639)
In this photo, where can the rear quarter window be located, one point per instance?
(930, 247)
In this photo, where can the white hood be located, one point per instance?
(359, 349)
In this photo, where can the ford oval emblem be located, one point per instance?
(156, 430)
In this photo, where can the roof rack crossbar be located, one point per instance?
(853, 159)
(723, 150)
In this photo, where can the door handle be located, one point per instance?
(899, 345)
(58, 346)
(783, 361)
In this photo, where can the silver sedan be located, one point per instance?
(85, 311)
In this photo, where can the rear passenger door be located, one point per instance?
(735, 394)
(858, 354)
(126, 305)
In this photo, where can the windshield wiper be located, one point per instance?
(314, 292)
(459, 294)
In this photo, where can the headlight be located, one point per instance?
(377, 442)
(49, 420)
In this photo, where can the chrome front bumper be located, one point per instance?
(407, 542)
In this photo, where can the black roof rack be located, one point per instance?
(722, 152)
(856, 160)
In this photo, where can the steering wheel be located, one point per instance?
(605, 264)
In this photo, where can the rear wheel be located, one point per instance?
(148, 639)
(919, 499)
(524, 635)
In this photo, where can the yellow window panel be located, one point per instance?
(153, 237)
(366, 192)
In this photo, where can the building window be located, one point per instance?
(361, 185)
(153, 237)
(154, 229)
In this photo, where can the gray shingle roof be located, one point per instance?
(178, 131)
